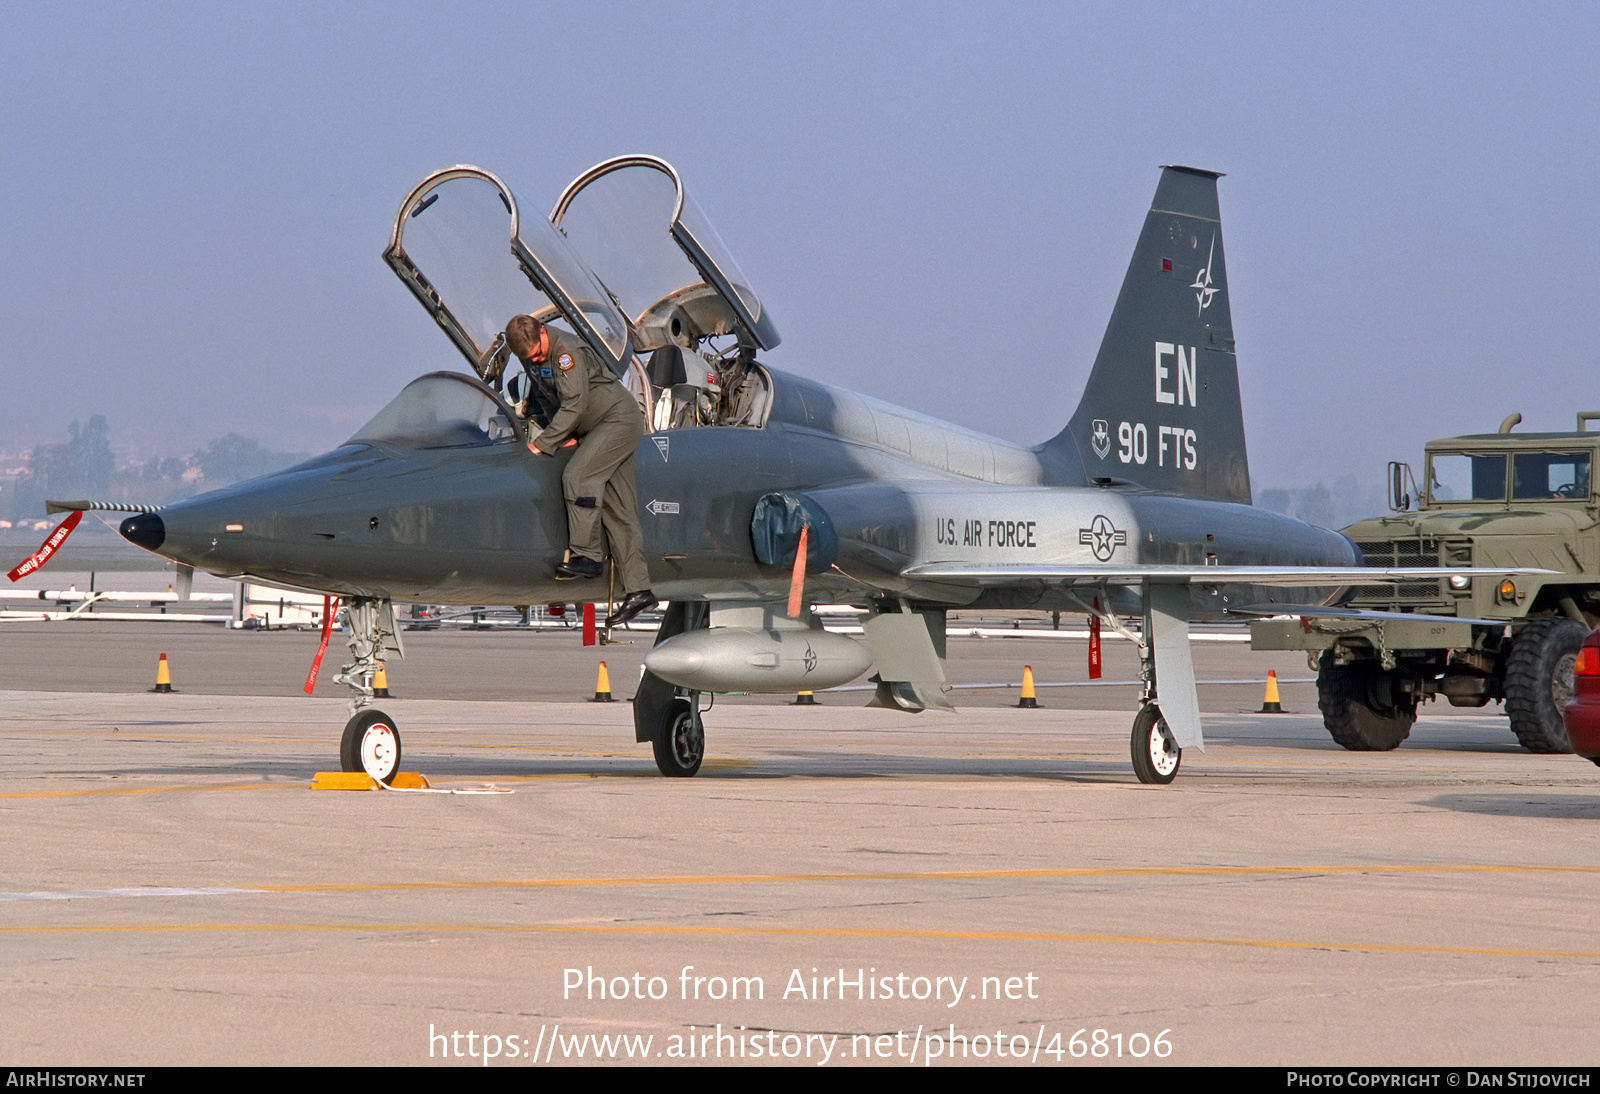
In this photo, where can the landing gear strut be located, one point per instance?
(1153, 745)
(371, 741)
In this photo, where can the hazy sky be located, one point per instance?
(937, 202)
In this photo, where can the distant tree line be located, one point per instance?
(84, 466)
(1347, 502)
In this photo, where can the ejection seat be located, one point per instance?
(686, 299)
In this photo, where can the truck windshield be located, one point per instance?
(1460, 477)
(1550, 475)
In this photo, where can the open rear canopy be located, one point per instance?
(462, 246)
(632, 222)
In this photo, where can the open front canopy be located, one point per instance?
(462, 246)
(632, 222)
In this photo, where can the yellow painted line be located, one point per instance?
(114, 791)
(933, 875)
(417, 739)
(800, 932)
(930, 875)
(148, 737)
(177, 738)
(305, 785)
(118, 790)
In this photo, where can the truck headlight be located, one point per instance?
(1460, 582)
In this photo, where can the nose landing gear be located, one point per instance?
(371, 741)
(371, 744)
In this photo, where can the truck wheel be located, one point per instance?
(1345, 697)
(1539, 682)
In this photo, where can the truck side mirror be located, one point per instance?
(1399, 500)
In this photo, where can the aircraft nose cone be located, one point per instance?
(145, 530)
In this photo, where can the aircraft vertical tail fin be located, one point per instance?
(1161, 407)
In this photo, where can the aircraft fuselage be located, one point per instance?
(487, 524)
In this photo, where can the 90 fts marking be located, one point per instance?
(1133, 440)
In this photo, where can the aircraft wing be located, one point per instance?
(1313, 611)
(1288, 576)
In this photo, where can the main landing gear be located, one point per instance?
(1153, 745)
(667, 716)
(1156, 754)
(679, 739)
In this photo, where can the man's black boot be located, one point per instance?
(632, 605)
(578, 566)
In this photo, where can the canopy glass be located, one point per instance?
(462, 246)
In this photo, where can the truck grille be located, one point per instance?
(1399, 553)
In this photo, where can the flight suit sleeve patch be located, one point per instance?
(564, 362)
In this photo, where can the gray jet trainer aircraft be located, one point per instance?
(1138, 510)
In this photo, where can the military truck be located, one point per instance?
(1495, 499)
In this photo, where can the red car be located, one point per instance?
(1582, 713)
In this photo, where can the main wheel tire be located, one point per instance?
(1156, 755)
(1539, 682)
(1352, 717)
(679, 740)
(371, 744)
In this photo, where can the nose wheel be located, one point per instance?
(371, 744)
(1156, 754)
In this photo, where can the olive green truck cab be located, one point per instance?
(1514, 500)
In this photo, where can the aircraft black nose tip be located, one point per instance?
(145, 530)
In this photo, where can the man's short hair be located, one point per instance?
(522, 334)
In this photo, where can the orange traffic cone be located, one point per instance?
(380, 684)
(163, 677)
(804, 699)
(602, 686)
(1269, 702)
(1028, 701)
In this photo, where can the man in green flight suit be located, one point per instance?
(598, 481)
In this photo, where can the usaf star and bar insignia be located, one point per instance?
(1102, 537)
